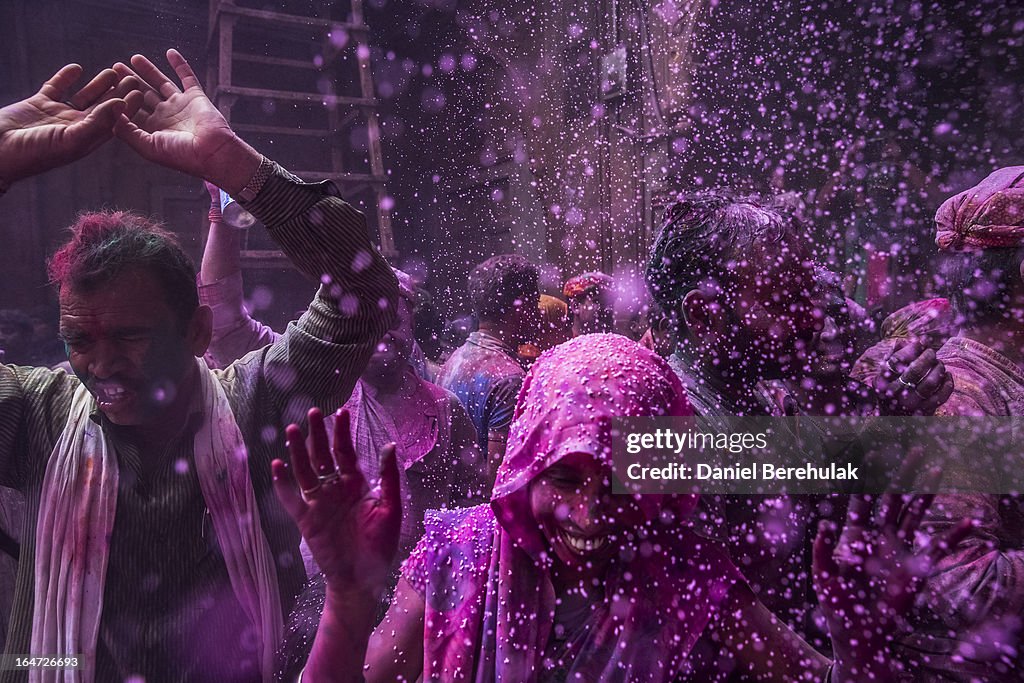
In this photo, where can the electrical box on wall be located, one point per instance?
(613, 73)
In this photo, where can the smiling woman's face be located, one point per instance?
(578, 516)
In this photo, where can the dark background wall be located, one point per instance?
(500, 133)
(40, 36)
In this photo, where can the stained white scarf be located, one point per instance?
(76, 520)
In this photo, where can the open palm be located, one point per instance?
(351, 530)
(50, 129)
(867, 583)
(178, 127)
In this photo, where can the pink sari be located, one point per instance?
(484, 572)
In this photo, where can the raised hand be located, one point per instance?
(55, 127)
(351, 530)
(179, 127)
(912, 381)
(867, 582)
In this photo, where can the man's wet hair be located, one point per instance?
(106, 244)
(703, 234)
(498, 283)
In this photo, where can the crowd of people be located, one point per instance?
(189, 493)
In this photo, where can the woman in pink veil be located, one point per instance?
(557, 579)
(549, 581)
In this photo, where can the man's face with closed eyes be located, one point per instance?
(128, 347)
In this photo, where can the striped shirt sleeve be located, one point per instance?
(319, 358)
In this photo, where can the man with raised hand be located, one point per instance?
(55, 126)
(740, 285)
(154, 547)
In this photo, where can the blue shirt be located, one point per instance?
(486, 377)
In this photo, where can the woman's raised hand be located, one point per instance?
(351, 530)
(867, 579)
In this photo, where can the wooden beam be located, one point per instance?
(282, 130)
(294, 96)
(276, 61)
(279, 19)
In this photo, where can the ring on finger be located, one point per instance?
(307, 493)
(906, 383)
(329, 478)
(892, 369)
(923, 398)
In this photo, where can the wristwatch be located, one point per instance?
(255, 184)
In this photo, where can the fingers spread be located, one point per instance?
(145, 90)
(909, 470)
(301, 468)
(96, 128)
(133, 102)
(123, 70)
(93, 91)
(944, 545)
(344, 451)
(890, 509)
(286, 489)
(320, 451)
(153, 76)
(181, 67)
(906, 517)
(913, 514)
(150, 101)
(858, 514)
(136, 138)
(124, 87)
(391, 496)
(56, 88)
